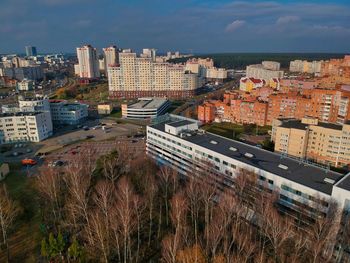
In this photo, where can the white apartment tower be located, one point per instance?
(110, 56)
(88, 62)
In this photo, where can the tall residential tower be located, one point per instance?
(110, 55)
(88, 62)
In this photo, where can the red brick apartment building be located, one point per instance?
(326, 105)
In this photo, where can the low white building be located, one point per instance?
(63, 112)
(177, 142)
(145, 108)
(37, 103)
(25, 126)
(25, 85)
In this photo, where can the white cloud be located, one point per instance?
(283, 20)
(234, 25)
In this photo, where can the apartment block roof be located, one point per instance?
(297, 124)
(17, 114)
(148, 103)
(297, 171)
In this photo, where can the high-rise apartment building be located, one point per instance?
(137, 77)
(267, 70)
(31, 51)
(110, 57)
(88, 62)
(303, 66)
(311, 139)
(149, 53)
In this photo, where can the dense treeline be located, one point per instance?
(126, 209)
(241, 60)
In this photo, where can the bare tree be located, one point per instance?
(193, 194)
(172, 243)
(8, 213)
(99, 235)
(127, 211)
(78, 181)
(151, 192)
(278, 229)
(49, 184)
(104, 198)
(323, 232)
(166, 175)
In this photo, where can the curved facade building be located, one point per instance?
(145, 108)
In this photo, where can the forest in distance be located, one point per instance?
(239, 61)
(126, 209)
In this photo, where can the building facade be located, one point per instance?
(145, 108)
(311, 139)
(137, 77)
(178, 143)
(64, 112)
(267, 70)
(31, 51)
(88, 62)
(110, 57)
(25, 126)
(25, 85)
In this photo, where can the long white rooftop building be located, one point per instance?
(180, 144)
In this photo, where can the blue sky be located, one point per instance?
(206, 26)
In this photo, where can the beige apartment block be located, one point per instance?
(137, 77)
(313, 140)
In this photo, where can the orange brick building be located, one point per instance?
(326, 105)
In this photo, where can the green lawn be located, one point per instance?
(116, 114)
(26, 235)
(233, 131)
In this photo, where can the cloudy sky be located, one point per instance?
(186, 25)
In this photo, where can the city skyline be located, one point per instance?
(187, 26)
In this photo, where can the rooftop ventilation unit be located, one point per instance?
(213, 142)
(282, 166)
(329, 181)
(233, 149)
(249, 155)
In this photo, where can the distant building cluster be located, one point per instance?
(266, 70)
(205, 69)
(32, 67)
(304, 66)
(146, 75)
(33, 119)
(332, 67)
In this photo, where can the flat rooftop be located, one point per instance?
(297, 124)
(148, 103)
(15, 114)
(297, 171)
(180, 123)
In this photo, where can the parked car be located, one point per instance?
(29, 162)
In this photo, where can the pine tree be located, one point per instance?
(44, 248)
(53, 248)
(75, 251)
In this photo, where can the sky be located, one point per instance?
(195, 26)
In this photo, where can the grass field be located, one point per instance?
(233, 131)
(25, 238)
